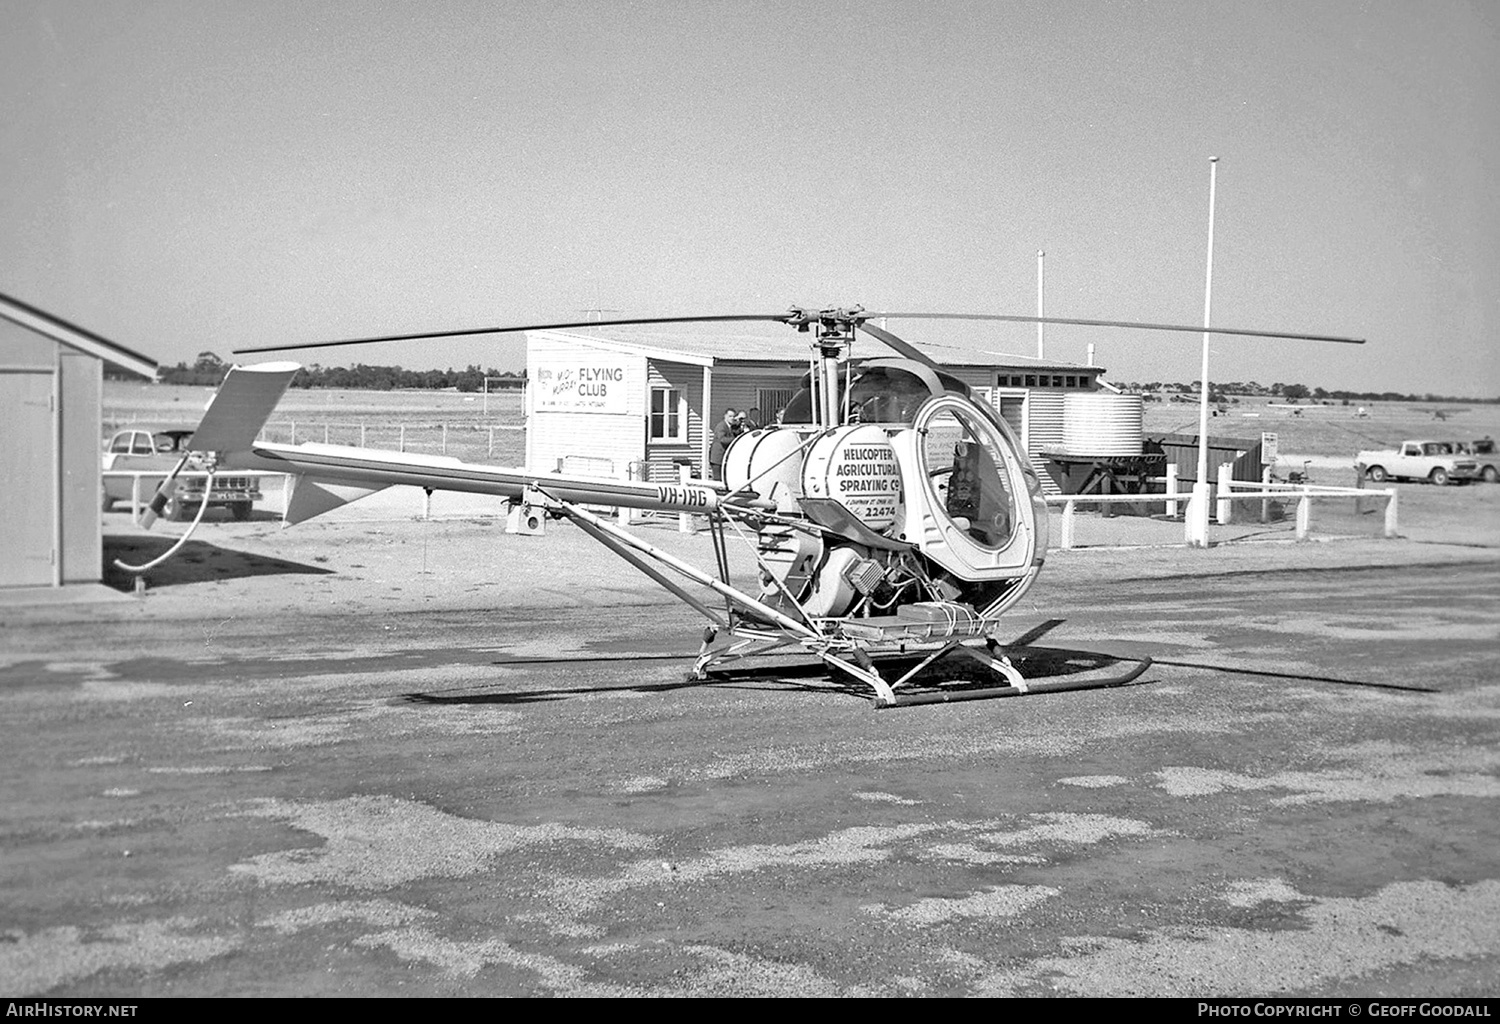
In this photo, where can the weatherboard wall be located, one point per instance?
(665, 456)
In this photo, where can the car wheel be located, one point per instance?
(1491, 475)
(1439, 476)
(177, 511)
(1377, 474)
(240, 510)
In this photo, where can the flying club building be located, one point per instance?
(626, 404)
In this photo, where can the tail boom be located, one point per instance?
(344, 469)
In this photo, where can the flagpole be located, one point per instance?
(1197, 526)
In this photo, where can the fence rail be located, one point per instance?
(505, 442)
(1234, 501)
(471, 440)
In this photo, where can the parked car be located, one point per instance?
(1434, 461)
(145, 451)
(1483, 451)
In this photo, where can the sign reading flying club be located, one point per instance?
(580, 386)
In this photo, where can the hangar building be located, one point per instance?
(630, 404)
(51, 398)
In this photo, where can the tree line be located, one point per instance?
(208, 370)
(1222, 392)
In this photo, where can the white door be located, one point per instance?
(28, 467)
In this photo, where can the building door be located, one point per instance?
(770, 401)
(1011, 405)
(28, 466)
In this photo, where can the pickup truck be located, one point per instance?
(1483, 451)
(1437, 462)
(156, 453)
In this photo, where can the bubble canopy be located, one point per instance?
(966, 465)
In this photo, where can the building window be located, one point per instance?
(1031, 380)
(668, 423)
(1072, 380)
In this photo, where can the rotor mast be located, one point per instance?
(833, 334)
(831, 341)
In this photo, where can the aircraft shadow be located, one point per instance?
(954, 674)
(196, 562)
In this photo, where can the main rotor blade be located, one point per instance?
(801, 318)
(904, 348)
(429, 335)
(1132, 324)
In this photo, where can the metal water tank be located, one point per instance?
(1102, 423)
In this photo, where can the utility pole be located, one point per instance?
(1041, 305)
(1197, 518)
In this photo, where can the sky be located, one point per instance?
(206, 175)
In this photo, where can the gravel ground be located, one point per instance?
(378, 756)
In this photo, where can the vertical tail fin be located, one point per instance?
(238, 412)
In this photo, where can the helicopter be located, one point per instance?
(892, 517)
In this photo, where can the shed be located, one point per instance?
(1243, 454)
(51, 395)
(628, 403)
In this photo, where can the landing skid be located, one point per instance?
(926, 671)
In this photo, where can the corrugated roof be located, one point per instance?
(74, 336)
(789, 346)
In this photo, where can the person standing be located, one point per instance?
(725, 431)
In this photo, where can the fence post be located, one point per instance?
(135, 500)
(403, 438)
(684, 519)
(637, 471)
(1172, 490)
(1066, 540)
(325, 433)
(445, 439)
(1265, 485)
(294, 432)
(1390, 512)
(1304, 515)
(1225, 511)
(490, 451)
(362, 434)
(1359, 484)
(426, 503)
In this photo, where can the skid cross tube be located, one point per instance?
(1022, 690)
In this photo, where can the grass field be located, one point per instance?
(1332, 430)
(476, 428)
(377, 419)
